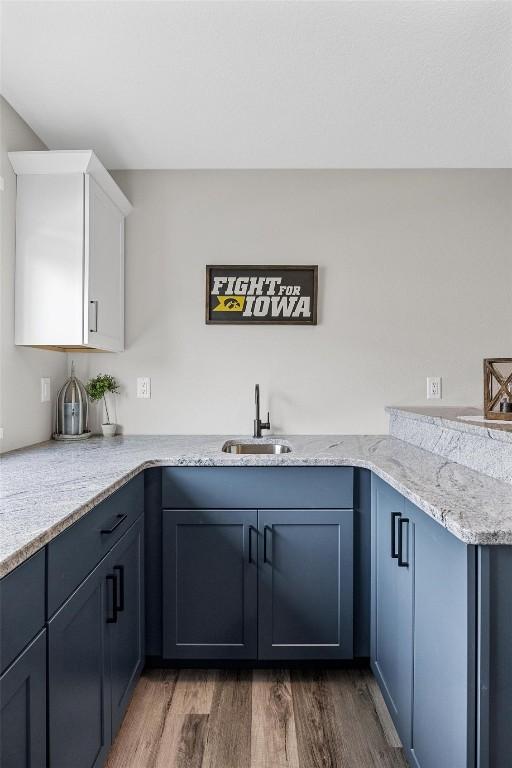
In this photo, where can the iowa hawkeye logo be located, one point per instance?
(260, 297)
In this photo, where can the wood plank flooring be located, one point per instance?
(261, 718)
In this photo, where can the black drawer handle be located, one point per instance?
(265, 529)
(118, 520)
(111, 577)
(394, 515)
(401, 562)
(119, 569)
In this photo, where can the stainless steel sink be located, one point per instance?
(233, 446)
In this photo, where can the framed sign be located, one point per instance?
(256, 294)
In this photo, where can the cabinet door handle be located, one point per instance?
(118, 520)
(111, 577)
(95, 328)
(265, 529)
(119, 569)
(401, 562)
(394, 515)
(250, 531)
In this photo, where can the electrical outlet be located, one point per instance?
(46, 390)
(434, 388)
(144, 387)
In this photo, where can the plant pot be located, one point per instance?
(108, 430)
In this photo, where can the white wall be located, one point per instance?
(25, 420)
(414, 280)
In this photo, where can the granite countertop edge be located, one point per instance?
(446, 416)
(422, 477)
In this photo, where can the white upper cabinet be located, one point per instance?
(69, 285)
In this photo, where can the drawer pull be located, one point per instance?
(394, 515)
(401, 562)
(250, 531)
(111, 577)
(119, 569)
(118, 520)
(265, 529)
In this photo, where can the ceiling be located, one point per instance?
(265, 84)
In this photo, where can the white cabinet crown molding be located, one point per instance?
(70, 161)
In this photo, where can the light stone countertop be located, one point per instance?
(46, 488)
(458, 434)
(461, 418)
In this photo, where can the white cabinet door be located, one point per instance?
(104, 270)
(49, 259)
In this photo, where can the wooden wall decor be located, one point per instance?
(498, 388)
(252, 295)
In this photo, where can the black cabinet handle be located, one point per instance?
(265, 529)
(119, 569)
(394, 515)
(111, 577)
(401, 562)
(117, 522)
(95, 305)
(250, 530)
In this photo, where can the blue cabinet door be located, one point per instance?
(305, 590)
(209, 584)
(126, 632)
(444, 646)
(78, 675)
(23, 708)
(392, 604)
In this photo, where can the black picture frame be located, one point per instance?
(288, 292)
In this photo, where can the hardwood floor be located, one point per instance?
(264, 718)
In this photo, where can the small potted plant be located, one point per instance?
(97, 388)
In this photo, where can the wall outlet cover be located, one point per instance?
(434, 388)
(144, 387)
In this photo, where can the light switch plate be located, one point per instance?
(46, 392)
(144, 387)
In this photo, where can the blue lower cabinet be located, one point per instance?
(210, 584)
(126, 633)
(305, 584)
(23, 708)
(78, 675)
(95, 656)
(494, 684)
(444, 647)
(424, 631)
(393, 604)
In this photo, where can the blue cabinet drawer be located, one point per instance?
(22, 598)
(77, 551)
(258, 487)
